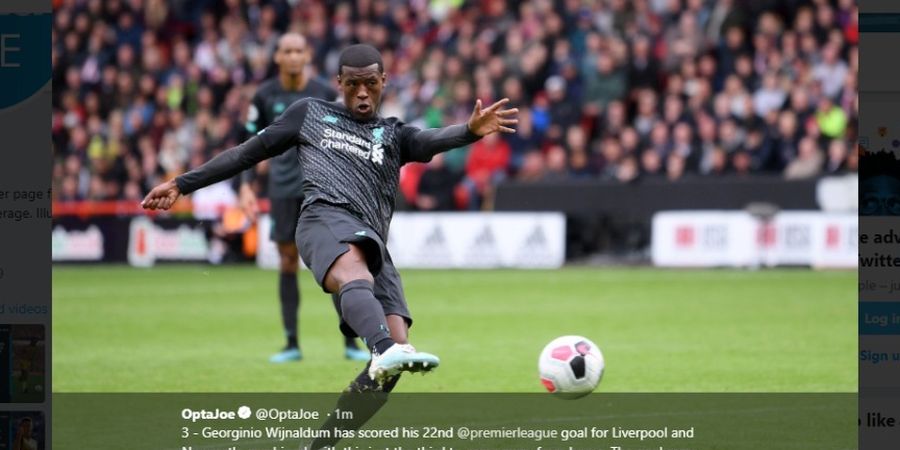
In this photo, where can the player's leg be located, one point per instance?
(365, 315)
(351, 350)
(289, 298)
(364, 397)
(284, 212)
(345, 256)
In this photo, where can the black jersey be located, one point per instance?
(270, 100)
(353, 164)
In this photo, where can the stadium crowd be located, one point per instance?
(609, 89)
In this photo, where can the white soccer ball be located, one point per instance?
(571, 366)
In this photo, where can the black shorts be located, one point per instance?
(323, 233)
(284, 213)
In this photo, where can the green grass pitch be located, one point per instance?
(181, 328)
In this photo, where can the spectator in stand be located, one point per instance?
(643, 68)
(557, 168)
(787, 138)
(718, 162)
(770, 96)
(604, 83)
(831, 119)
(742, 163)
(757, 151)
(523, 142)
(485, 167)
(831, 71)
(437, 187)
(808, 163)
(580, 161)
(836, 162)
(675, 166)
(651, 164)
(532, 168)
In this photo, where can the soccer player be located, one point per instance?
(286, 184)
(351, 162)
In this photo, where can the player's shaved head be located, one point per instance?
(291, 54)
(359, 56)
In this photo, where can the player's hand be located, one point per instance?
(162, 196)
(247, 201)
(493, 119)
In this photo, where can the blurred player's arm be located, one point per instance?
(246, 195)
(421, 145)
(272, 141)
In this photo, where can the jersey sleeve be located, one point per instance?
(417, 145)
(273, 140)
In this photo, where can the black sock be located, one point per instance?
(289, 295)
(362, 311)
(349, 342)
(382, 346)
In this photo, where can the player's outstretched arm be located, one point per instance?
(422, 145)
(272, 141)
(223, 166)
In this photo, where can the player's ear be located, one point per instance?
(383, 79)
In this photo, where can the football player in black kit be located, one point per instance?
(351, 161)
(285, 186)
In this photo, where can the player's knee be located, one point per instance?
(348, 267)
(288, 258)
(288, 265)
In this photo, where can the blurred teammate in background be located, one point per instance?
(285, 184)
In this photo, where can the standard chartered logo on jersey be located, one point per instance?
(373, 151)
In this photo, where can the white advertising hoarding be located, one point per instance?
(738, 239)
(704, 239)
(478, 240)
